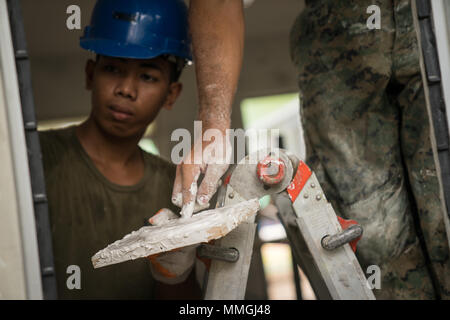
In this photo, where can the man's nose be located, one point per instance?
(127, 87)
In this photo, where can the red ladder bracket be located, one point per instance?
(301, 177)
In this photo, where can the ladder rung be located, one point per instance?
(48, 271)
(21, 54)
(30, 126)
(39, 198)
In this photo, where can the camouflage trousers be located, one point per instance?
(367, 136)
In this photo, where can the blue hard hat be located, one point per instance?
(138, 29)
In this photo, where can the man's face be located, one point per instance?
(127, 94)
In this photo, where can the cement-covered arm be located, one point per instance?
(217, 30)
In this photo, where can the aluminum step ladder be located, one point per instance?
(320, 245)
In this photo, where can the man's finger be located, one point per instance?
(210, 182)
(190, 174)
(162, 216)
(177, 197)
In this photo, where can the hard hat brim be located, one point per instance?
(113, 48)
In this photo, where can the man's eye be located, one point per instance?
(110, 68)
(148, 78)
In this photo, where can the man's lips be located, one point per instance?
(120, 113)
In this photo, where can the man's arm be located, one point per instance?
(217, 30)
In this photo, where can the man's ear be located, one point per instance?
(175, 89)
(89, 73)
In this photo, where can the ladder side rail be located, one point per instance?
(34, 151)
(19, 157)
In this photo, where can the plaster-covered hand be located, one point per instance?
(217, 32)
(171, 267)
(213, 162)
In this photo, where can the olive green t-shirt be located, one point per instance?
(88, 212)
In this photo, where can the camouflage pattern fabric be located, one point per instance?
(367, 139)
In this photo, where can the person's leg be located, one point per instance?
(417, 151)
(352, 137)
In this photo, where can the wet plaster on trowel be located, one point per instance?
(202, 227)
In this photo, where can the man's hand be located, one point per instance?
(213, 162)
(217, 29)
(171, 267)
